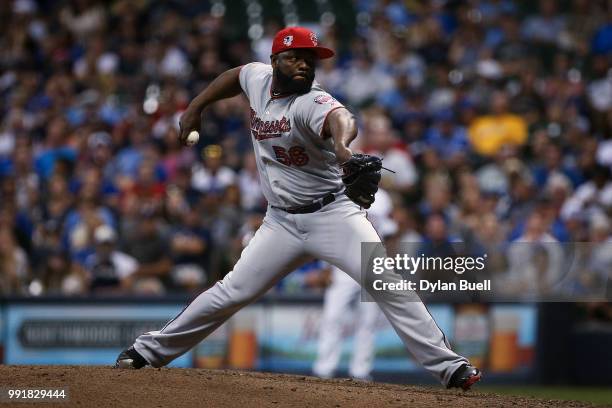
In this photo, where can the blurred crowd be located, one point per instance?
(496, 117)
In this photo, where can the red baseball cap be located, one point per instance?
(299, 37)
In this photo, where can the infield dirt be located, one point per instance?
(178, 388)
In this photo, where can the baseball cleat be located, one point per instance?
(130, 359)
(465, 377)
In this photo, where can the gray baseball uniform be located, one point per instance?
(297, 165)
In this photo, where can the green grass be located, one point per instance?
(595, 395)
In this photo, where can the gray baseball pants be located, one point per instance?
(284, 242)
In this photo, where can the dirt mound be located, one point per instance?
(173, 387)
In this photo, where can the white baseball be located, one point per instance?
(192, 138)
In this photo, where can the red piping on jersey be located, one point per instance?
(325, 120)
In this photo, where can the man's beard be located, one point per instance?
(287, 84)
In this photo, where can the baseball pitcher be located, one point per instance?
(317, 192)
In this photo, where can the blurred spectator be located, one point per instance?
(189, 243)
(58, 276)
(57, 203)
(212, 175)
(405, 64)
(599, 93)
(489, 239)
(406, 224)
(55, 149)
(100, 153)
(383, 142)
(437, 243)
(520, 198)
(248, 181)
(80, 223)
(545, 209)
(512, 52)
(109, 270)
(489, 133)
(83, 17)
(364, 80)
(553, 167)
(262, 46)
(128, 159)
(27, 182)
(436, 232)
(590, 274)
(174, 156)
(535, 261)
(466, 47)
(13, 265)
(592, 197)
(146, 186)
(600, 261)
(471, 207)
(438, 198)
(448, 139)
(148, 244)
(50, 255)
(546, 26)
(527, 100)
(581, 23)
(330, 76)
(602, 39)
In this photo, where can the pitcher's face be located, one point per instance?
(294, 70)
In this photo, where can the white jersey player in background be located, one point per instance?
(300, 135)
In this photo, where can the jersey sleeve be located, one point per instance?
(250, 75)
(315, 108)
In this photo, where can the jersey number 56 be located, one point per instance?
(296, 155)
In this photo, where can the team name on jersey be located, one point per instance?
(268, 129)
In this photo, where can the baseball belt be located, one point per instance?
(312, 207)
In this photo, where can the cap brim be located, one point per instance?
(323, 52)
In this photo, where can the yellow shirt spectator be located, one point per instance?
(489, 133)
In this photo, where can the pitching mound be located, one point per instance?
(150, 387)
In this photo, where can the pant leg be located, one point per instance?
(363, 349)
(274, 251)
(336, 304)
(335, 235)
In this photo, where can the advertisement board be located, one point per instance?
(499, 338)
(79, 333)
(290, 342)
(268, 336)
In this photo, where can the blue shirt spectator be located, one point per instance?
(445, 137)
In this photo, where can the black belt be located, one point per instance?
(312, 207)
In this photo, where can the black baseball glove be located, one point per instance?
(361, 175)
